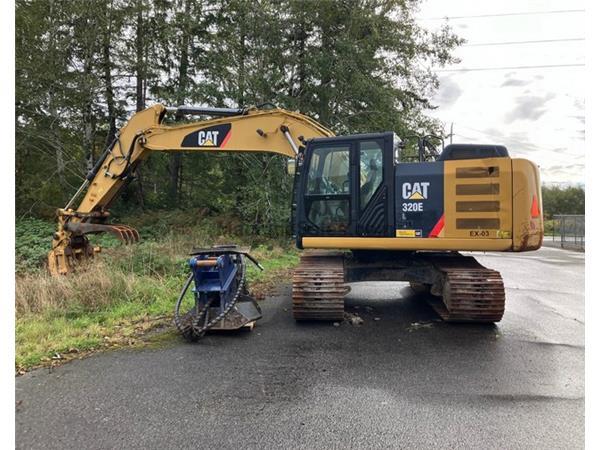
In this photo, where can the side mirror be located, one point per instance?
(291, 166)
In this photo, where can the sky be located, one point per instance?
(538, 113)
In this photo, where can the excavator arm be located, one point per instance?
(234, 130)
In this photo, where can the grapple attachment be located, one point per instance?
(124, 233)
(71, 247)
(220, 299)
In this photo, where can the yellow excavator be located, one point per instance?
(359, 212)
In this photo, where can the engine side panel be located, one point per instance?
(478, 201)
(418, 199)
(487, 204)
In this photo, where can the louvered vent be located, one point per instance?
(474, 211)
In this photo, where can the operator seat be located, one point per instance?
(366, 191)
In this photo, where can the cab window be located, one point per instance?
(371, 170)
(329, 171)
(329, 175)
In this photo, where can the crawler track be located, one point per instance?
(470, 292)
(318, 287)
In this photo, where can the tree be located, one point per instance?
(47, 154)
(568, 200)
(355, 65)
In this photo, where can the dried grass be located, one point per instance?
(90, 289)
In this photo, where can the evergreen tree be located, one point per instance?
(354, 65)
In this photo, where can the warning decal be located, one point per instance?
(409, 233)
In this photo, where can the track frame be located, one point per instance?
(457, 287)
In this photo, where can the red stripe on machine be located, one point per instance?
(535, 209)
(438, 227)
(225, 139)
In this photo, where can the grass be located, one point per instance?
(125, 293)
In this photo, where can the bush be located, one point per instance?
(32, 243)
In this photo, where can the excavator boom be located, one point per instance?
(274, 131)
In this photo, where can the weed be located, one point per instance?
(125, 292)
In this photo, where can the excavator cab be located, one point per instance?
(354, 192)
(344, 186)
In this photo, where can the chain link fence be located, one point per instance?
(568, 231)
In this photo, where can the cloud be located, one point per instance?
(448, 93)
(515, 82)
(575, 157)
(513, 76)
(558, 168)
(551, 174)
(516, 141)
(529, 107)
(579, 104)
(515, 136)
(580, 119)
(563, 169)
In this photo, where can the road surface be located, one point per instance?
(402, 379)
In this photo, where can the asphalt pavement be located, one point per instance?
(401, 380)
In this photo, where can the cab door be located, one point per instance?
(374, 186)
(326, 202)
(346, 190)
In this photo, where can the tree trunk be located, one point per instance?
(88, 119)
(297, 82)
(324, 108)
(88, 136)
(242, 62)
(237, 170)
(88, 87)
(110, 98)
(140, 88)
(140, 91)
(175, 161)
(56, 140)
(329, 35)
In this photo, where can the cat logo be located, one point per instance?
(215, 136)
(415, 191)
(208, 138)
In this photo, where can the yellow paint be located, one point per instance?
(528, 231)
(504, 196)
(406, 233)
(373, 243)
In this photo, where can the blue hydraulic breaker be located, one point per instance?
(221, 300)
